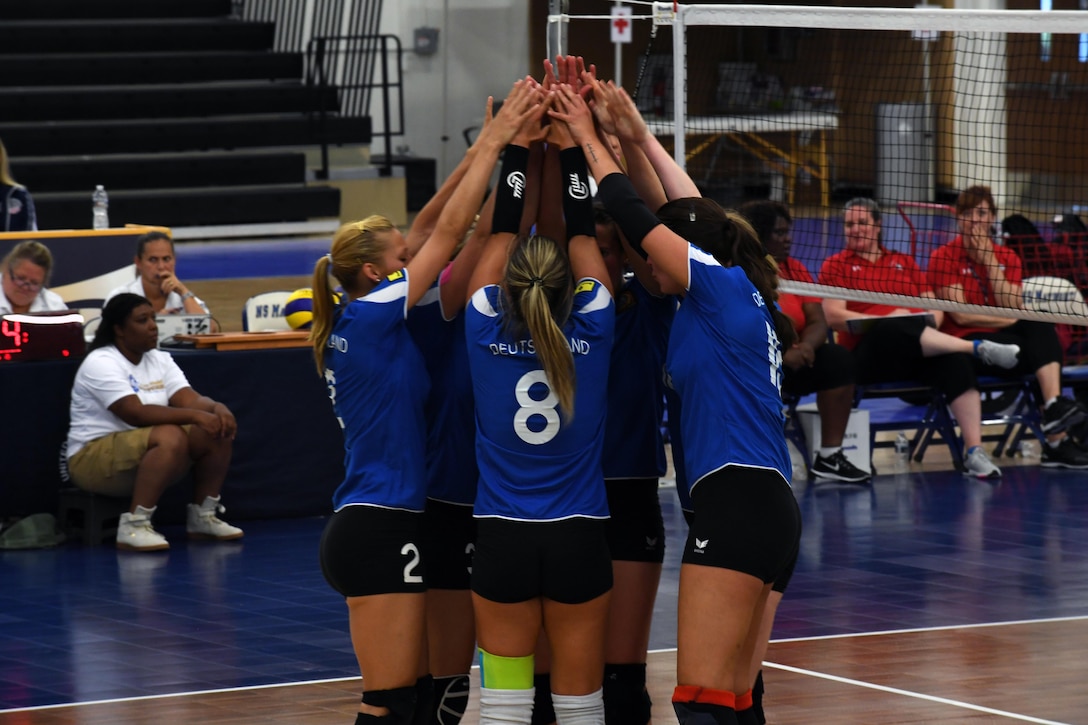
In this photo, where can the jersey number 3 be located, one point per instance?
(531, 409)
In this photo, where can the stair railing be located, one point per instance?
(344, 66)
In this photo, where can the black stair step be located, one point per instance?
(89, 9)
(75, 103)
(193, 207)
(136, 36)
(81, 174)
(66, 138)
(119, 68)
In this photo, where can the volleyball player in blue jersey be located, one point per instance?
(539, 327)
(724, 360)
(634, 456)
(633, 460)
(370, 550)
(449, 531)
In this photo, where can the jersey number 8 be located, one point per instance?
(530, 407)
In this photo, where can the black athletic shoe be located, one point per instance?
(837, 467)
(1066, 454)
(1063, 414)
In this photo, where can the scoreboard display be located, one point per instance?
(41, 336)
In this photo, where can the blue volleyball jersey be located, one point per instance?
(676, 444)
(451, 424)
(378, 385)
(633, 445)
(725, 361)
(534, 464)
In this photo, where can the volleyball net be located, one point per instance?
(813, 106)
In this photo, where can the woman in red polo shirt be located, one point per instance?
(974, 270)
(904, 346)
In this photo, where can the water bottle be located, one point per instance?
(100, 208)
(902, 451)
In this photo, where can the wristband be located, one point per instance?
(510, 199)
(635, 220)
(187, 296)
(577, 201)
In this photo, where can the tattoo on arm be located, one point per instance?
(592, 152)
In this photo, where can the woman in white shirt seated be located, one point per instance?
(157, 279)
(137, 427)
(26, 270)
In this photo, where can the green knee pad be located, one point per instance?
(506, 673)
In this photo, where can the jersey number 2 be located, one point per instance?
(412, 552)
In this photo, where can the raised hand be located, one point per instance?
(571, 110)
(488, 115)
(523, 108)
(550, 76)
(627, 120)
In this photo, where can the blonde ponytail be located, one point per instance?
(539, 284)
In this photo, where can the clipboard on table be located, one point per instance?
(861, 325)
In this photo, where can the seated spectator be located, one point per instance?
(25, 272)
(972, 269)
(904, 347)
(16, 205)
(137, 427)
(812, 364)
(157, 281)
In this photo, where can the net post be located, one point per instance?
(679, 87)
(558, 19)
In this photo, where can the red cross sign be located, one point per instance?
(621, 24)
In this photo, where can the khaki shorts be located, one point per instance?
(108, 465)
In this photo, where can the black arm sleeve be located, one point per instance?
(511, 191)
(577, 201)
(631, 213)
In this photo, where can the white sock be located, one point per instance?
(828, 452)
(579, 709)
(507, 706)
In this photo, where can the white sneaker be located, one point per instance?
(999, 354)
(134, 532)
(979, 465)
(203, 523)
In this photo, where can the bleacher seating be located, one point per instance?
(181, 110)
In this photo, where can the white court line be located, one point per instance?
(941, 628)
(654, 651)
(916, 695)
(166, 695)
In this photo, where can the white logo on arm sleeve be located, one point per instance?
(577, 189)
(516, 182)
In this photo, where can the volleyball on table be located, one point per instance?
(299, 308)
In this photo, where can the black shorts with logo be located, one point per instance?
(747, 520)
(636, 530)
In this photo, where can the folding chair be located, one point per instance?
(264, 311)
